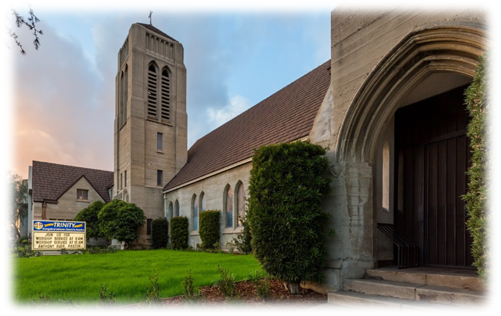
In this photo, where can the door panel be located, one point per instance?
(430, 138)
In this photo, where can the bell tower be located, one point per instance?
(150, 137)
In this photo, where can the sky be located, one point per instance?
(63, 94)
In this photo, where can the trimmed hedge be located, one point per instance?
(179, 232)
(287, 184)
(89, 216)
(107, 216)
(209, 228)
(476, 197)
(160, 232)
(129, 218)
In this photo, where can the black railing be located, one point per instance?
(407, 251)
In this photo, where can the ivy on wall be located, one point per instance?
(476, 197)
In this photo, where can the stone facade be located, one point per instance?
(213, 188)
(381, 61)
(138, 158)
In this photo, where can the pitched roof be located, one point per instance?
(285, 116)
(154, 29)
(51, 181)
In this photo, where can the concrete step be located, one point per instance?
(401, 290)
(454, 278)
(360, 300)
(415, 292)
(447, 295)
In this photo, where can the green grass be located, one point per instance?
(79, 277)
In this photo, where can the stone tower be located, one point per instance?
(150, 140)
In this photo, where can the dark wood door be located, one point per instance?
(432, 157)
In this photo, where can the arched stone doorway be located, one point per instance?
(424, 64)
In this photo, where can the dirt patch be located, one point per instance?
(247, 295)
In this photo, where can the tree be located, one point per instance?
(19, 202)
(30, 22)
(129, 218)
(89, 215)
(107, 216)
(287, 184)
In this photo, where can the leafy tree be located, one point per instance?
(160, 232)
(287, 184)
(107, 218)
(476, 197)
(89, 215)
(19, 202)
(129, 218)
(29, 22)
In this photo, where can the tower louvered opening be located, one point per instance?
(165, 98)
(152, 91)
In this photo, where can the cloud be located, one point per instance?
(219, 116)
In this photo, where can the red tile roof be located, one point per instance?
(283, 117)
(50, 181)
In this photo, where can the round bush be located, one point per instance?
(89, 216)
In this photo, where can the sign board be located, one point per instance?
(58, 235)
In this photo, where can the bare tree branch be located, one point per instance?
(30, 22)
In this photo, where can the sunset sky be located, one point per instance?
(63, 94)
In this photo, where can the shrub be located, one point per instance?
(129, 218)
(209, 228)
(106, 298)
(89, 215)
(244, 240)
(476, 196)
(226, 283)
(153, 291)
(107, 217)
(189, 293)
(160, 232)
(179, 232)
(287, 184)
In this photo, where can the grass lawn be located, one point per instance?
(79, 277)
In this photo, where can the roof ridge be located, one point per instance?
(60, 164)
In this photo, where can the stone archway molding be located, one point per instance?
(448, 48)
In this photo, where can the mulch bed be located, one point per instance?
(247, 295)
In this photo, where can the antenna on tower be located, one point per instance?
(149, 16)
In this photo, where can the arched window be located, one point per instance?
(194, 207)
(240, 202)
(125, 93)
(202, 202)
(386, 178)
(165, 98)
(228, 195)
(171, 210)
(152, 91)
(121, 101)
(177, 209)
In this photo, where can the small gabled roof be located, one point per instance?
(154, 29)
(51, 181)
(285, 116)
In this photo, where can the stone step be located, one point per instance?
(447, 295)
(454, 278)
(360, 300)
(412, 291)
(382, 288)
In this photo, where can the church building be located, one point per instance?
(388, 106)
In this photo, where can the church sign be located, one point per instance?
(58, 235)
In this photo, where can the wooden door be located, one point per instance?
(432, 157)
